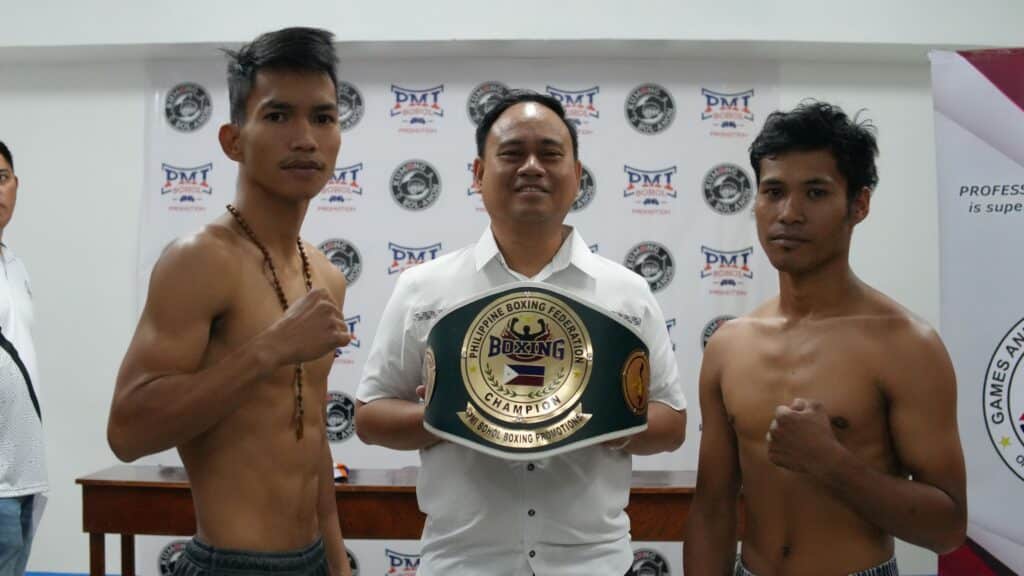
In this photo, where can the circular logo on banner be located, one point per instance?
(711, 327)
(341, 416)
(168, 558)
(350, 106)
(345, 257)
(353, 564)
(727, 189)
(652, 261)
(1004, 411)
(588, 187)
(187, 107)
(526, 358)
(415, 185)
(429, 374)
(636, 381)
(648, 562)
(484, 97)
(650, 109)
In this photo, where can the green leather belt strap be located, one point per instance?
(528, 371)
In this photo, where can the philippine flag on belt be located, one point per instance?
(523, 375)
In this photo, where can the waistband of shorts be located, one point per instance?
(884, 569)
(254, 562)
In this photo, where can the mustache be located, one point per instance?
(301, 163)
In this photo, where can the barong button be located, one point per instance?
(532, 512)
(530, 466)
(532, 553)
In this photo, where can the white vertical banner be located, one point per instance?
(668, 191)
(979, 132)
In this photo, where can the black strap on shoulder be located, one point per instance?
(6, 345)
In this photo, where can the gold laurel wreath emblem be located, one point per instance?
(533, 332)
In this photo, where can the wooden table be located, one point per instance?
(374, 504)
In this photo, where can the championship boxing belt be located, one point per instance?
(529, 371)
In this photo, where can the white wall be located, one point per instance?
(76, 133)
(145, 22)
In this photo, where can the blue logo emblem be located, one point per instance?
(400, 564)
(728, 114)
(186, 185)
(580, 106)
(405, 257)
(417, 109)
(728, 271)
(650, 190)
(342, 189)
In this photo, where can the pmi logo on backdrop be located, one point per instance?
(417, 110)
(169, 555)
(580, 107)
(186, 188)
(405, 257)
(650, 191)
(670, 323)
(482, 98)
(653, 262)
(727, 273)
(415, 184)
(727, 189)
(345, 257)
(473, 192)
(401, 564)
(340, 417)
(728, 114)
(342, 190)
(187, 107)
(650, 109)
(585, 195)
(344, 354)
(350, 106)
(647, 562)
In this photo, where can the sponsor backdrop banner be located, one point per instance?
(667, 191)
(979, 132)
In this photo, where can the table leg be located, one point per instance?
(97, 554)
(127, 555)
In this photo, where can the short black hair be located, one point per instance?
(518, 96)
(301, 49)
(815, 125)
(6, 153)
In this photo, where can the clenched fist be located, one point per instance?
(800, 438)
(311, 327)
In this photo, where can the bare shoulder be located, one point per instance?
(895, 325)
(333, 277)
(213, 246)
(204, 265)
(736, 333)
(917, 363)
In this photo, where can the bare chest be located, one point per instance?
(254, 310)
(838, 367)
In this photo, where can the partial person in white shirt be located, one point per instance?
(562, 515)
(22, 461)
